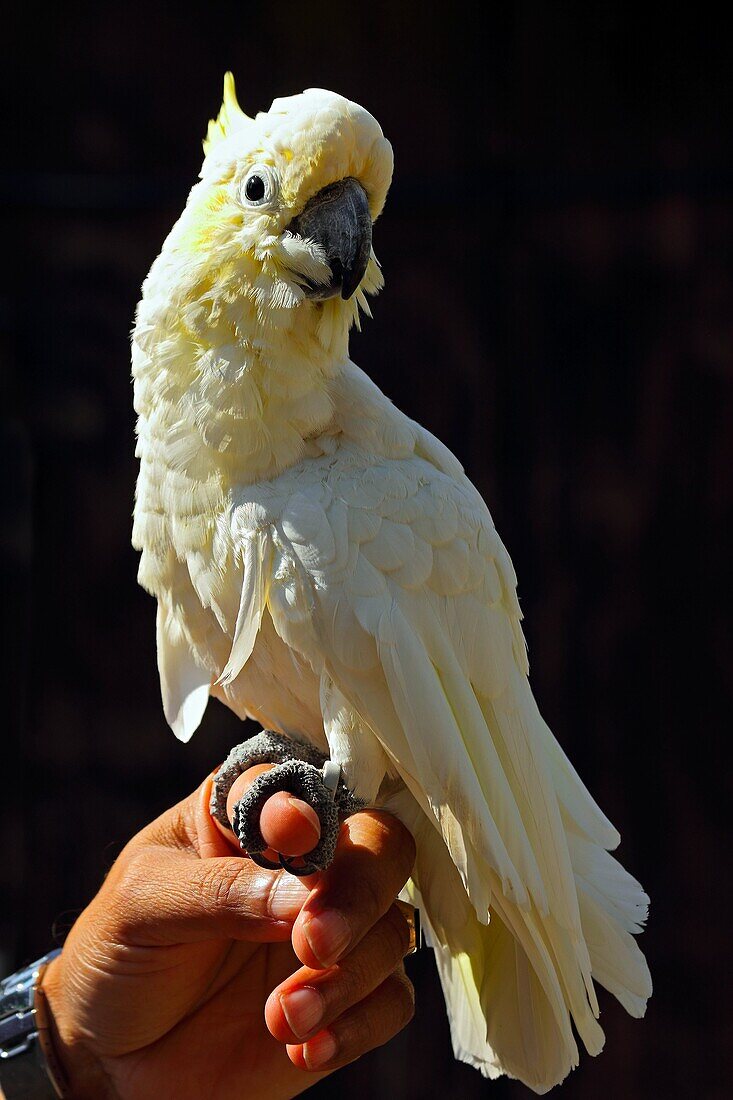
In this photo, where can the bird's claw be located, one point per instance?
(298, 769)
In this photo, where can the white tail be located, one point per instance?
(512, 986)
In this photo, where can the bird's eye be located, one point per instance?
(255, 188)
(259, 186)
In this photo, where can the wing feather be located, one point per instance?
(390, 580)
(256, 557)
(184, 684)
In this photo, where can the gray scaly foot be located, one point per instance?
(298, 769)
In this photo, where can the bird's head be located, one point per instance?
(280, 223)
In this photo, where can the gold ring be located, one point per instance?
(412, 916)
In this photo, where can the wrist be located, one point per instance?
(85, 1078)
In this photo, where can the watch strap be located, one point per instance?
(29, 1066)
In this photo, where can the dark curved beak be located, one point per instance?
(338, 219)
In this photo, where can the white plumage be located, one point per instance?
(322, 564)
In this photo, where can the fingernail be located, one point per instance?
(328, 935)
(303, 1010)
(320, 1050)
(287, 896)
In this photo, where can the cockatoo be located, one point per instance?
(323, 565)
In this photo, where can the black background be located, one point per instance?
(558, 310)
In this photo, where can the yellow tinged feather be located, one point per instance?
(230, 116)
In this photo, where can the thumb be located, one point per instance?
(177, 882)
(161, 897)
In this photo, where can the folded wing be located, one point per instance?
(390, 579)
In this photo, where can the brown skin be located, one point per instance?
(174, 980)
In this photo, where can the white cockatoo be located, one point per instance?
(323, 565)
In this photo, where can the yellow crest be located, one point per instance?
(229, 118)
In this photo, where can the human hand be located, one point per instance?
(195, 972)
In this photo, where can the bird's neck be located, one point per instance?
(218, 408)
(241, 398)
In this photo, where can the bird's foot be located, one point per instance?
(298, 769)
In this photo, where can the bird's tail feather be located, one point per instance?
(513, 986)
(613, 907)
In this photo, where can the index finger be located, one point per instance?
(373, 861)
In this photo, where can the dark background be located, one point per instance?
(558, 310)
